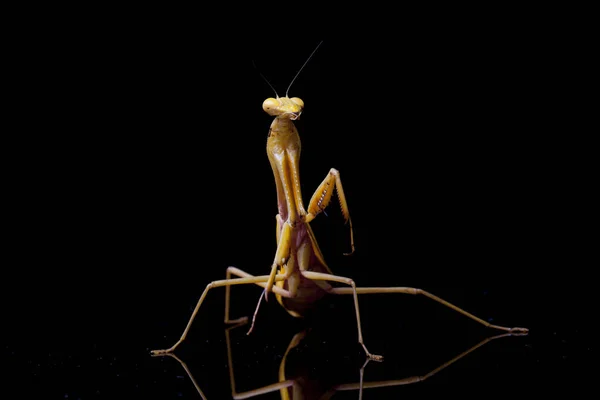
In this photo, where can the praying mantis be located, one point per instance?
(299, 275)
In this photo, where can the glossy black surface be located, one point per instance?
(151, 177)
(107, 355)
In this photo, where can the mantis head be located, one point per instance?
(284, 107)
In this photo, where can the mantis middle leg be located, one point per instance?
(260, 280)
(319, 276)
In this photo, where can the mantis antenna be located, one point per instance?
(301, 68)
(265, 79)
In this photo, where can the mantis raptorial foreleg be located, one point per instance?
(319, 201)
(322, 196)
(259, 280)
(414, 291)
(281, 255)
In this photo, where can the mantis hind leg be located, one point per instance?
(415, 291)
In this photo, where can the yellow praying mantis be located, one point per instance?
(299, 274)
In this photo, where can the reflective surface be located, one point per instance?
(114, 362)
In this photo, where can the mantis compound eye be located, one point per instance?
(270, 104)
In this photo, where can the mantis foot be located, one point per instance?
(155, 353)
(374, 357)
(165, 351)
(519, 331)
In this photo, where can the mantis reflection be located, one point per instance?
(302, 387)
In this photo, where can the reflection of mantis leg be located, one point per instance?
(282, 385)
(415, 379)
(189, 373)
(187, 370)
(260, 280)
(415, 291)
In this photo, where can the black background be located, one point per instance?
(140, 174)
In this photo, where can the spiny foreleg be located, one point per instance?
(322, 197)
